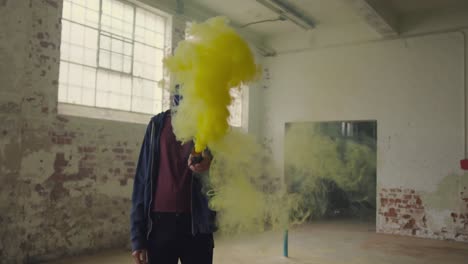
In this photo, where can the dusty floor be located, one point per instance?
(321, 243)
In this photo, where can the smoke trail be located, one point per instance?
(207, 65)
(245, 189)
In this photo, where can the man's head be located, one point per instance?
(176, 97)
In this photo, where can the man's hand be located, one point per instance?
(140, 256)
(200, 167)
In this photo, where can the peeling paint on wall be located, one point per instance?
(65, 182)
(442, 214)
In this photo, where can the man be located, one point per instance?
(170, 217)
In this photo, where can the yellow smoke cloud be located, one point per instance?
(207, 65)
(246, 190)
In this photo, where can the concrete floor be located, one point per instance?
(321, 243)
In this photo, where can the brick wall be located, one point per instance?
(65, 182)
(405, 212)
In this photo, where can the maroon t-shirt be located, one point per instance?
(173, 190)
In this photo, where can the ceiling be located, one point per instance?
(410, 6)
(241, 12)
(323, 12)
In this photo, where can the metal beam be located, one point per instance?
(193, 11)
(378, 14)
(287, 12)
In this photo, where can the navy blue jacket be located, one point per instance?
(144, 188)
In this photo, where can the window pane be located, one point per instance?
(78, 13)
(128, 14)
(77, 34)
(140, 34)
(148, 62)
(90, 38)
(63, 82)
(113, 90)
(77, 54)
(116, 62)
(117, 46)
(128, 29)
(89, 77)
(127, 64)
(104, 59)
(92, 18)
(77, 84)
(128, 49)
(90, 57)
(93, 4)
(74, 94)
(116, 15)
(149, 28)
(75, 75)
(140, 17)
(88, 96)
(66, 12)
(65, 31)
(144, 92)
(106, 6)
(159, 41)
(105, 42)
(117, 9)
(150, 38)
(82, 11)
(65, 51)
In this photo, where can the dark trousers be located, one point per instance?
(171, 239)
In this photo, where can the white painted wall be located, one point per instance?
(413, 87)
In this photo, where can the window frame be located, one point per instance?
(106, 113)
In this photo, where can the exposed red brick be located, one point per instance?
(62, 119)
(407, 196)
(87, 149)
(118, 150)
(391, 213)
(39, 189)
(58, 192)
(410, 224)
(130, 163)
(89, 157)
(407, 216)
(418, 201)
(60, 163)
(383, 201)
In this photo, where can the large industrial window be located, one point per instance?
(111, 56)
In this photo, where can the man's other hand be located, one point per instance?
(140, 256)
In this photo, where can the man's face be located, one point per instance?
(176, 97)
